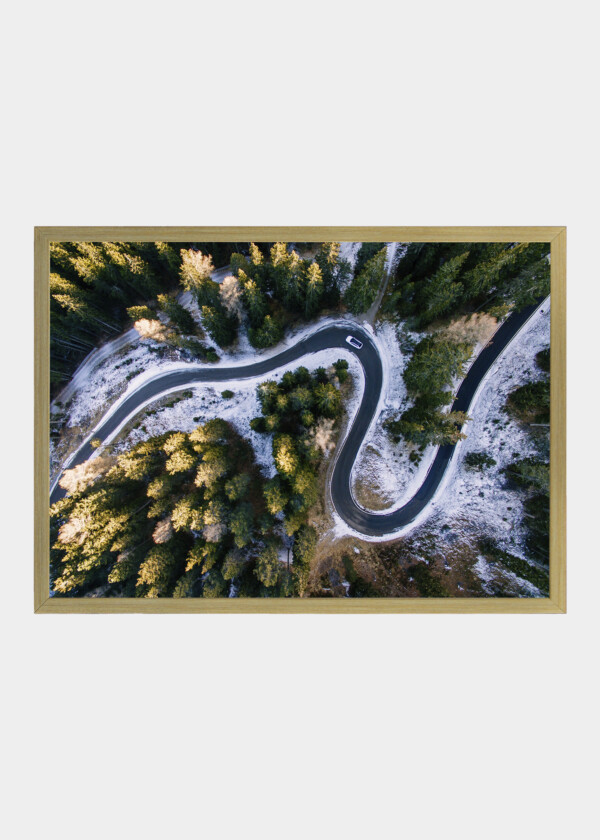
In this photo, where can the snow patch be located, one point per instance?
(208, 403)
(381, 464)
(484, 498)
(515, 366)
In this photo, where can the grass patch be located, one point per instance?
(428, 584)
(538, 577)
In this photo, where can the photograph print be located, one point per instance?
(331, 421)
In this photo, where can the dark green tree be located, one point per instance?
(177, 314)
(362, 292)
(221, 327)
(268, 567)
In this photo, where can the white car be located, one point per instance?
(354, 342)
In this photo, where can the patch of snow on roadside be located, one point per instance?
(484, 499)
(207, 403)
(108, 380)
(382, 465)
(108, 383)
(456, 502)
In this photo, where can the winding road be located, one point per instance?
(362, 521)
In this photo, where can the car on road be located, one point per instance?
(354, 342)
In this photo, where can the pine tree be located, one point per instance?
(213, 585)
(268, 567)
(362, 292)
(284, 455)
(178, 314)
(269, 333)
(241, 524)
(531, 472)
(327, 400)
(137, 313)
(157, 572)
(187, 584)
(221, 327)
(256, 257)
(335, 271)
(233, 564)
(485, 276)
(434, 364)
(214, 465)
(237, 487)
(196, 269)
(305, 545)
(314, 290)
(275, 495)
(441, 291)
(187, 513)
(102, 531)
(255, 301)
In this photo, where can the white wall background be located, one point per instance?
(313, 113)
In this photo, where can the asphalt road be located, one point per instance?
(371, 524)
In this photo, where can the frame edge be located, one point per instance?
(558, 421)
(556, 603)
(41, 524)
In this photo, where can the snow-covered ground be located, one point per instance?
(383, 477)
(490, 574)
(383, 472)
(81, 377)
(118, 376)
(478, 499)
(207, 403)
(349, 251)
(101, 385)
(483, 498)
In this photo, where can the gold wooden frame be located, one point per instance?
(555, 603)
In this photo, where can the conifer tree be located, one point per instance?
(363, 290)
(178, 314)
(268, 567)
(314, 290)
(284, 455)
(221, 327)
(143, 527)
(327, 400)
(255, 301)
(275, 495)
(256, 257)
(241, 524)
(269, 333)
(157, 572)
(196, 269)
(138, 313)
(442, 290)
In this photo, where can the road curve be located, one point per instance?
(364, 522)
(130, 336)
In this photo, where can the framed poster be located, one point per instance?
(300, 419)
